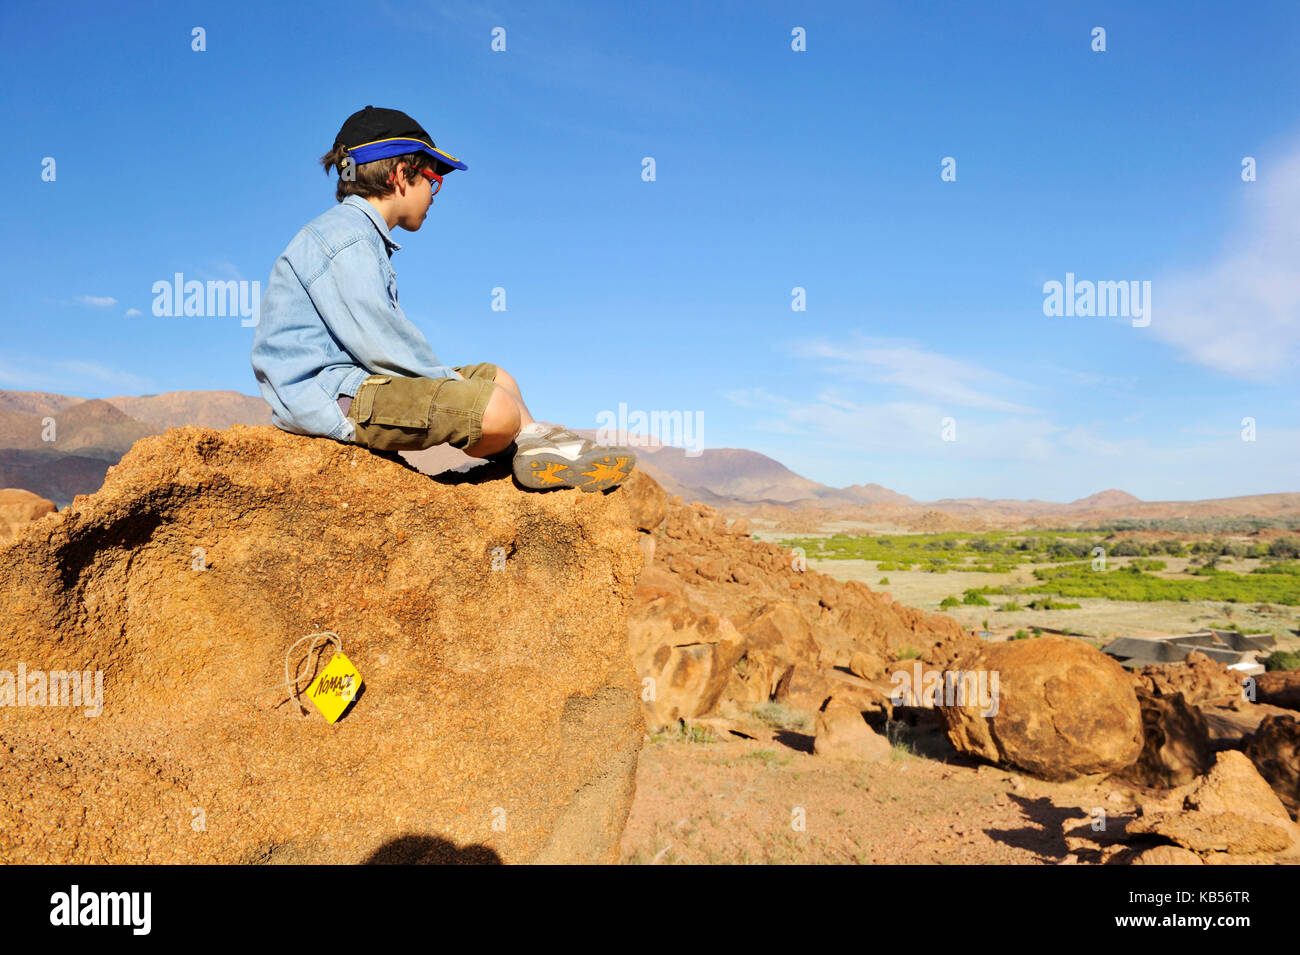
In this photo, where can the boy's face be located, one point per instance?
(411, 200)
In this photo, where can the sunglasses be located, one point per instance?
(435, 180)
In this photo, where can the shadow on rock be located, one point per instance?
(1047, 839)
(803, 742)
(431, 850)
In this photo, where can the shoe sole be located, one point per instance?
(593, 471)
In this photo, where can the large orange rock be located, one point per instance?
(1274, 748)
(499, 717)
(683, 655)
(18, 507)
(1176, 742)
(710, 584)
(1230, 810)
(1201, 681)
(1280, 688)
(842, 733)
(1064, 709)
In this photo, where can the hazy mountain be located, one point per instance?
(93, 434)
(206, 409)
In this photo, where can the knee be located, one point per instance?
(501, 422)
(505, 379)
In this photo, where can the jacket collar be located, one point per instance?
(377, 219)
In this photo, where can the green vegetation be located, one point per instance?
(909, 653)
(782, 717)
(1080, 580)
(1147, 563)
(683, 732)
(1002, 551)
(1062, 562)
(1047, 603)
(769, 757)
(1282, 660)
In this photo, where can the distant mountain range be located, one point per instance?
(91, 435)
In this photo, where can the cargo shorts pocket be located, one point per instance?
(393, 414)
(390, 413)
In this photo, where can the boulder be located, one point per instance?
(1166, 855)
(1064, 709)
(686, 654)
(499, 717)
(842, 733)
(19, 507)
(1200, 680)
(1175, 742)
(646, 501)
(866, 665)
(777, 638)
(1274, 748)
(1230, 810)
(1279, 688)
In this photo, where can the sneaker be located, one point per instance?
(550, 456)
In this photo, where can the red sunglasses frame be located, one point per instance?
(435, 180)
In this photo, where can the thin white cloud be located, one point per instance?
(70, 377)
(1240, 314)
(133, 311)
(952, 381)
(756, 398)
(97, 301)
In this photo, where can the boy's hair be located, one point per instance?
(372, 178)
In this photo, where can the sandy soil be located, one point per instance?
(737, 801)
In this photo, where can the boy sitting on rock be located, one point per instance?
(335, 356)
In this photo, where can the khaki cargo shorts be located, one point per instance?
(411, 414)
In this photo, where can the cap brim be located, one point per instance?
(445, 158)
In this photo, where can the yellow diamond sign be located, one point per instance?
(335, 688)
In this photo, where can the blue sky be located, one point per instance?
(775, 169)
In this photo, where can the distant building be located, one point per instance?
(1230, 647)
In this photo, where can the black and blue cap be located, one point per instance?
(376, 133)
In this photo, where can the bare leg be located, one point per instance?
(507, 381)
(501, 423)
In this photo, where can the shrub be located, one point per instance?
(1144, 563)
(975, 599)
(948, 602)
(1282, 660)
(1285, 547)
(782, 717)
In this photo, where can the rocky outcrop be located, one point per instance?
(1274, 748)
(1229, 812)
(1064, 709)
(722, 622)
(1279, 688)
(1201, 681)
(1229, 816)
(1175, 742)
(842, 733)
(499, 716)
(18, 507)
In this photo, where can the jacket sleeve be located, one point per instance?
(353, 298)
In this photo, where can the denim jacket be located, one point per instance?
(329, 319)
